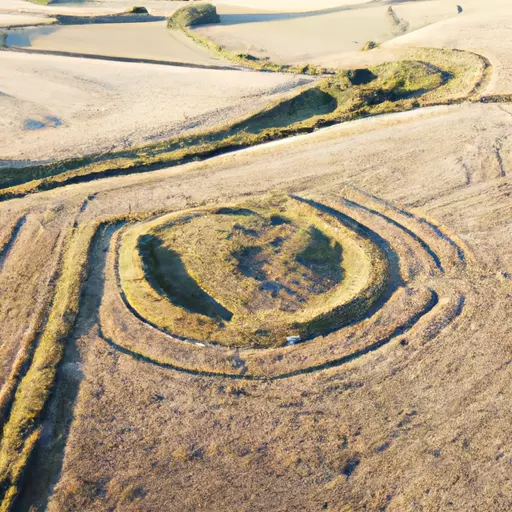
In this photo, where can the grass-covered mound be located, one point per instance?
(310, 103)
(196, 14)
(430, 77)
(252, 275)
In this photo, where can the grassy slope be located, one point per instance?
(399, 86)
(23, 428)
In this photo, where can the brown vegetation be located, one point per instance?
(429, 77)
(250, 275)
(144, 354)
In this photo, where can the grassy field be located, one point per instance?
(251, 275)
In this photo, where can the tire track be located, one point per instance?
(461, 252)
(45, 470)
(432, 254)
(6, 249)
(30, 342)
(398, 331)
(498, 146)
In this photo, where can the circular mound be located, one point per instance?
(255, 275)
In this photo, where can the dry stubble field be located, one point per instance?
(144, 363)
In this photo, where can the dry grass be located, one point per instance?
(251, 275)
(22, 429)
(141, 382)
(26, 349)
(28, 283)
(437, 77)
(405, 407)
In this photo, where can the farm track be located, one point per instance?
(5, 249)
(45, 468)
(403, 329)
(37, 321)
(461, 251)
(30, 340)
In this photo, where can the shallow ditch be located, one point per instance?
(349, 95)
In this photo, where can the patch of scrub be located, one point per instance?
(195, 14)
(399, 26)
(310, 103)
